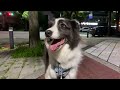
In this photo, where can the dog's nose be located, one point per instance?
(48, 33)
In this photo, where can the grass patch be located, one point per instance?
(3, 77)
(25, 51)
(3, 48)
(0, 47)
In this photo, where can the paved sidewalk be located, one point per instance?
(96, 64)
(108, 51)
(91, 69)
(32, 68)
(21, 68)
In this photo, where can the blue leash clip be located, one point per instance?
(61, 73)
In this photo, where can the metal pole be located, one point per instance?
(11, 38)
(87, 34)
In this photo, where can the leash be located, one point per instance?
(61, 73)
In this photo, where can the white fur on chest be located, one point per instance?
(67, 57)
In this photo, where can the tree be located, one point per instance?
(68, 14)
(56, 13)
(33, 28)
(43, 21)
(79, 15)
(24, 19)
(31, 21)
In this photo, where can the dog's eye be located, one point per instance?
(63, 25)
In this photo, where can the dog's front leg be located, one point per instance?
(72, 74)
(50, 73)
(47, 74)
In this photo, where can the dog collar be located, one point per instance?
(61, 73)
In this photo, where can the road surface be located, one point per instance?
(23, 36)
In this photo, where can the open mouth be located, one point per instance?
(56, 43)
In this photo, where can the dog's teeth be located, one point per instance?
(52, 41)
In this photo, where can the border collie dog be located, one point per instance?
(63, 49)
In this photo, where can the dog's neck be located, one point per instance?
(60, 71)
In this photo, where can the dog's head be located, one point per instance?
(62, 31)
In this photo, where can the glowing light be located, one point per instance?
(0, 13)
(88, 23)
(10, 14)
(90, 16)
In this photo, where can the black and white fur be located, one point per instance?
(69, 55)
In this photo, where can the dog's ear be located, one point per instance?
(51, 22)
(75, 24)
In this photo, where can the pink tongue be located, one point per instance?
(56, 46)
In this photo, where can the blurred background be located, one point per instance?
(97, 23)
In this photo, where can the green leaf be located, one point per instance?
(25, 15)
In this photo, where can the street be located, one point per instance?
(23, 36)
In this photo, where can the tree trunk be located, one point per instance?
(33, 29)
(109, 23)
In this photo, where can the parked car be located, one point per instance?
(84, 29)
(102, 31)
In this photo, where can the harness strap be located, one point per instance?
(61, 73)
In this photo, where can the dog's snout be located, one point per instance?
(48, 33)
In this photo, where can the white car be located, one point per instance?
(84, 29)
